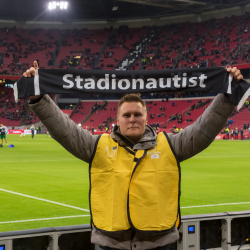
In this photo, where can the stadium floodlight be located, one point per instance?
(50, 6)
(115, 8)
(62, 5)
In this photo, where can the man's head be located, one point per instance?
(132, 117)
(1, 125)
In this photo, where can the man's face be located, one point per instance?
(1, 125)
(132, 119)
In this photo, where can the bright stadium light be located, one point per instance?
(63, 5)
(50, 6)
(54, 5)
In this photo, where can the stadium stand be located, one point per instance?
(102, 118)
(121, 42)
(84, 43)
(240, 118)
(184, 45)
(23, 46)
(11, 113)
(81, 112)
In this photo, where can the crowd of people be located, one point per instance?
(190, 47)
(229, 132)
(234, 133)
(23, 47)
(175, 117)
(11, 110)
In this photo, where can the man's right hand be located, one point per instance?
(31, 72)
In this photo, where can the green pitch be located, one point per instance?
(42, 185)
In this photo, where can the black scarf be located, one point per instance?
(206, 80)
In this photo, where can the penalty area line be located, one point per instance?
(41, 219)
(217, 205)
(40, 199)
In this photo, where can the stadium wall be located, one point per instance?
(218, 231)
(132, 23)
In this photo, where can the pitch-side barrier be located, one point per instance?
(219, 231)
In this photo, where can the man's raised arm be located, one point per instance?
(73, 138)
(198, 136)
(31, 72)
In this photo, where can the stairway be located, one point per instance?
(57, 50)
(103, 49)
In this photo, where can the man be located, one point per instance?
(241, 134)
(227, 132)
(246, 103)
(134, 174)
(232, 134)
(32, 128)
(3, 132)
(22, 132)
(47, 133)
(236, 133)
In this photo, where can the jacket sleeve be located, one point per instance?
(73, 138)
(198, 136)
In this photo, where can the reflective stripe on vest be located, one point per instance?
(139, 189)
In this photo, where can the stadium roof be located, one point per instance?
(81, 10)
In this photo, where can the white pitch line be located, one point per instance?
(77, 216)
(215, 205)
(40, 199)
(40, 160)
(53, 218)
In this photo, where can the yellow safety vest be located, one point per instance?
(138, 189)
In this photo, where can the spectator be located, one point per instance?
(232, 134)
(236, 133)
(241, 134)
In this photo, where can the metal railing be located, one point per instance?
(219, 231)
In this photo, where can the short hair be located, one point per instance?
(131, 98)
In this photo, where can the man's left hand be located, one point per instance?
(235, 73)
